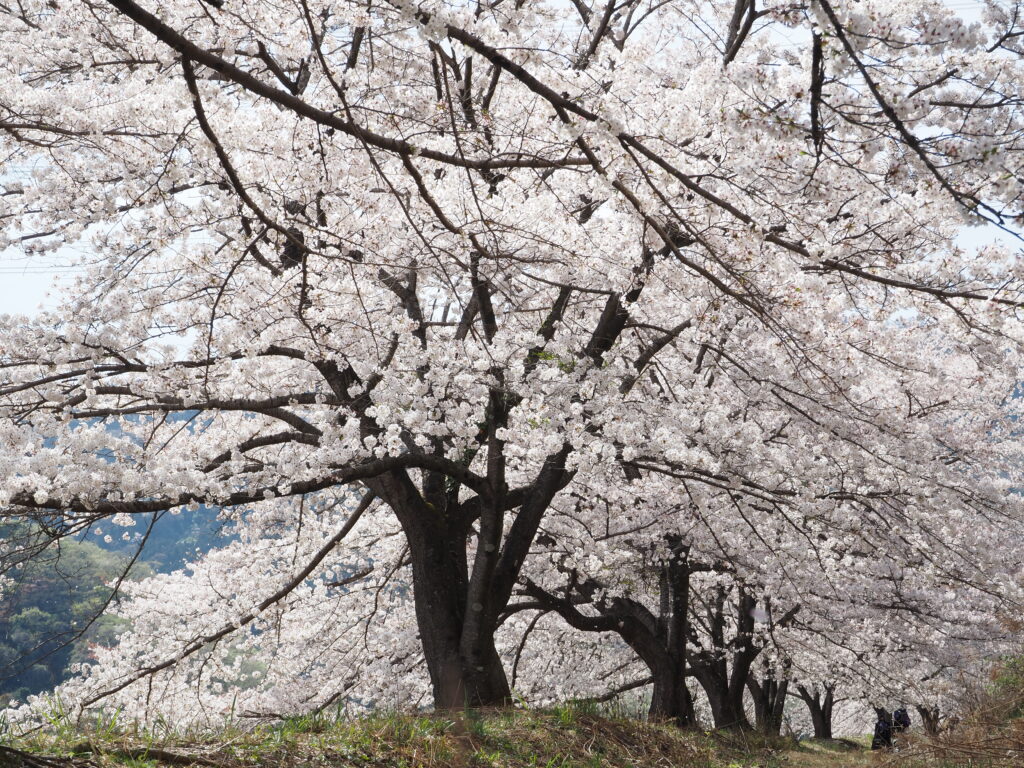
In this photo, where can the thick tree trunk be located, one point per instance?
(724, 696)
(822, 724)
(462, 675)
(723, 683)
(464, 671)
(726, 708)
(671, 700)
(778, 706)
(820, 708)
(761, 695)
(458, 684)
(659, 640)
(458, 679)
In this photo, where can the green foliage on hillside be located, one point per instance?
(173, 540)
(1008, 687)
(48, 613)
(48, 609)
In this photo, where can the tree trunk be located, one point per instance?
(659, 640)
(459, 678)
(727, 709)
(724, 686)
(769, 696)
(463, 672)
(929, 719)
(671, 700)
(822, 724)
(778, 706)
(820, 709)
(725, 699)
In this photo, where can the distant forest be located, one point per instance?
(48, 608)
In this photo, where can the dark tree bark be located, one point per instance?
(671, 699)
(819, 704)
(457, 605)
(722, 684)
(441, 580)
(724, 691)
(668, 643)
(659, 641)
(929, 718)
(769, 697)
(462, 672)
(727, 709)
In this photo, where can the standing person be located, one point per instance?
(882, 738)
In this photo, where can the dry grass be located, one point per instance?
(991, 735)
(564, 737)
(973, 744)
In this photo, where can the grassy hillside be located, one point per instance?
(564, 737)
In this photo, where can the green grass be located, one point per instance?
(567, 736)
(831, 754)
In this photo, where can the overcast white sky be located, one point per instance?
(25, 283)
(28, 284)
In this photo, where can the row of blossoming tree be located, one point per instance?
(529, 349)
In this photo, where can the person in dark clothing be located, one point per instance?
(900, 720)
(900, 723)
(882, 738)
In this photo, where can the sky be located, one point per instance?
(29, 284)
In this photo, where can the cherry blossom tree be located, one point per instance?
(468, 263)
(800, 588)
(333, 629)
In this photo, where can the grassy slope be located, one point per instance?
(830, 754)
(560, 738)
